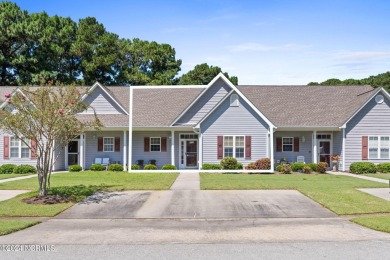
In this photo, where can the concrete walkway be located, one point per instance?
(187, 181)
(9, 194)
(359, 176)
(25, 177)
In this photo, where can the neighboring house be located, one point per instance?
(191, 125)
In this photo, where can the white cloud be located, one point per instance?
(363, 55)
(252, 46)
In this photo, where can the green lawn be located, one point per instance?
(337, 193)
(380, 223)
(11, 175)
(9, 226)
(385, 176)
(113, 181)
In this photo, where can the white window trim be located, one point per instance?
(113, 144)
(19, 149)
(292, 144)
(378, 147)
(234, 146)
(150, 144)
(234, 100)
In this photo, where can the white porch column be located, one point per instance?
(124, 150)
(81, 153)
(200, 152)
(173, 147)
(271, 144)
(130, 130)
(66, 156)
(343, 150)
(315, 146)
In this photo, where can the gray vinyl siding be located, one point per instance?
(60, 162)
(16, 161)
(102, 103)
(162, 158)
(205, 103)
(305, 148)
(91, 147)
(373, 119)
(227, 120)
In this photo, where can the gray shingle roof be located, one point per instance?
(160, 106)
(118, 120)
(121, 94)
(306, 106)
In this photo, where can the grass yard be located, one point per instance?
(11, 175)
(9, 226)
(112, 181)
(380, 223)
(385, 176)
(337, 193)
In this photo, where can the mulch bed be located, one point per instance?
(48, 199)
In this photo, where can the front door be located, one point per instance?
(191, 153)
(324, 151)
(73, 152)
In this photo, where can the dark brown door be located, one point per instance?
(324, 148)
(73, 152)
(192, 153)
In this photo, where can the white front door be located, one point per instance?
(188, 153)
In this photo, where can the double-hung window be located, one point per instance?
(19, 148)
(155, 144)
(287, 144)
(234, 146)
(108, 144)
(378, 147)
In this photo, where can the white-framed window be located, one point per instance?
(234, 146)
(108, 144)
(18, 148)
(287, 144)
(155, 144)
(378, 147)
(234, 100)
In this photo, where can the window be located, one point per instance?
(287, 144)
(234, 100)
(188, 136)
(18, 148)
(234, 146)
(108, 144)
(155, 144)
(378, 147)
(324, 136)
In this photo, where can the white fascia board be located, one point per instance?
(308, 128)
(169, 86)
(162, 128)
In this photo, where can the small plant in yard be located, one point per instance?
(285, 169)
(115, 167)
(150, 167)
(211, 166)
(279, 168)
(297, 166)
(313, 166)
(362, 167)
(383, 167)
(307, 169)
(321, 167)
(250, 166)
(97, 167)
(75, 168)
(135, 167)
(263, 164)
(240, 166)
(7, 168)
(229, 163)
(169, 167)
(24, 169)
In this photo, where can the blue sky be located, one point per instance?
(261, 42)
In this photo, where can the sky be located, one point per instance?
(261, 42)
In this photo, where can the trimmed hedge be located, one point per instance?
(322, 167)
(97, 167)
(307, 169)
(263, 164)
(135, 167)
(211, 166)
(7, 168)
(383, 167)
(169, 167)
(229, 163)
(24, 168)
(362, 167)
(297, 166)
(115, 167)
(279, 168)
(313, 166)
(75, 168)
(240, 166)
(150, 167)
(285, 168)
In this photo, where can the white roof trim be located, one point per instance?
(169, 86)
(357, 111)
(97, 84)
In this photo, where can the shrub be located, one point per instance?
(321, 167)
(240, 166)
(229, 163)
(251, 166)
(279, 168)
(116, 167)
(383, 167)
(75, 168)
(285, 169)
(7, 168)
(362, 167)
(211, 166)
(135, 167)
(97, 167)
(24, 168)
(169, 167)
(263, 164)
(313, 166)
(297, 166)
(307, 169)
(150, 167)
